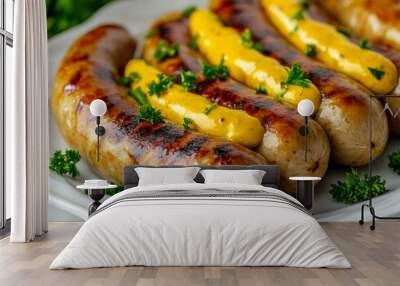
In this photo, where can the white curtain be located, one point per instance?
(27, 123)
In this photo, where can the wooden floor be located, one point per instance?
(375, 257)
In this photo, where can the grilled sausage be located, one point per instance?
(283, 141)
(320, 14)
(344, 106)
(376, 20)
(89, 71)
(176, 104)
(245, 64)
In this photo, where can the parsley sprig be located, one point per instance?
(296, 76)
(139, 95)
(193, 43)
(247, 41)
(164, 83)
(299, 15)
(344, 32)
(128, 80)
(213, 72)
(394, 162)
(377, 73)
(165, 51)
(261, 89)
(149, 114)
(188, 80)
(65, 162)
(311, 50)
(186, 123)
(188, 11)
(210, 108)
(364, 44)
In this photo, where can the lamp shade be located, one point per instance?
(98, 107)
(305, 107)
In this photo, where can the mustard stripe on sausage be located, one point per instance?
(328, 45)
(186, 108)
(245, 63)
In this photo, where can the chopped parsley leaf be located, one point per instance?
(296, 76)
(127, 80)
(139, 95)
(193, 43)
(247, 41)
(210, 108)
(186, 123)
(311, 50)
(149, 114)
(299, 15)
(261, 89)
(364, 44)
(163, 84)
(344, 32)
(188, 11)
(152, 33)
(188, 80)
(377, 73)
(165, 51)
(213, 72)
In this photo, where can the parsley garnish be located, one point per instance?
(186, 123)
(127, 80)
(65, 162)
(377, 73)
(188, 11)
(165, 51)
(188, 80)
(311, 50)
(210, 108)
(344, 32)
(149, 114)
(164, 83)
(261, 89)
(296, 76)
(152, 33)
(355, 188)
(247, 41)
(213, 72)
(305, 4)
(193, 43)
(139, 95)
(364, 44)
(394, 161)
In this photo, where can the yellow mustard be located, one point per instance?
(245, 64)
(176, 104)
(334, 49)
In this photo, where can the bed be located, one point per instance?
(201, 224)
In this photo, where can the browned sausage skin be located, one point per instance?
(322, 15)
(283, 142)
(89, 71)
(344, 109)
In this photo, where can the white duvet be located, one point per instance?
(201, 231)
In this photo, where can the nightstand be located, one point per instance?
(96, 191)
(305, 190)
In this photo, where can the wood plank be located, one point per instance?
(375, 257)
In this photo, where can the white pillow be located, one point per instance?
(247, 177)
(166, 176)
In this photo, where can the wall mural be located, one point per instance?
(200, 93)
